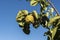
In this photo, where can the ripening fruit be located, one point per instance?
(29, 18)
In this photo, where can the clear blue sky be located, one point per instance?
(9, 29)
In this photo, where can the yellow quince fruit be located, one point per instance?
(29, 18)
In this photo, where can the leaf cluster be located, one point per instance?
(45, 18)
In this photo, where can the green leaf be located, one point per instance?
(21, 23)
(36, 24)
(20, 17)
(24, 12)
(53, 31)
(21, 13)
(51, 10)
(46, 4)
(35, 14)
(53, 20)
(33, 3)
(47, 14)
(26, 31)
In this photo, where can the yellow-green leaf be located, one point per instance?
(51, 10)
(47, 14)
(20, 14)
(21, 23)
(33, 3)
(53, 19)
(24, 12)
(35, 14)
(53, 31)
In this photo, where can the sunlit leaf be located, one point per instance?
(53, 31)
(53, 19)
(20, 17)
(33, 3)
(51, 10)
(47, 4)
(21, 23)
(47, 14)
(21, 13)
(24, 12)
(45, 8)
(35, 14)
(58, 23)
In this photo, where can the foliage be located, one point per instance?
(45, 18)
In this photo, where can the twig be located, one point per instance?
(53, 7)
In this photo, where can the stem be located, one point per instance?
(53, 7)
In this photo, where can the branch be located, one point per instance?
(53, 7)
